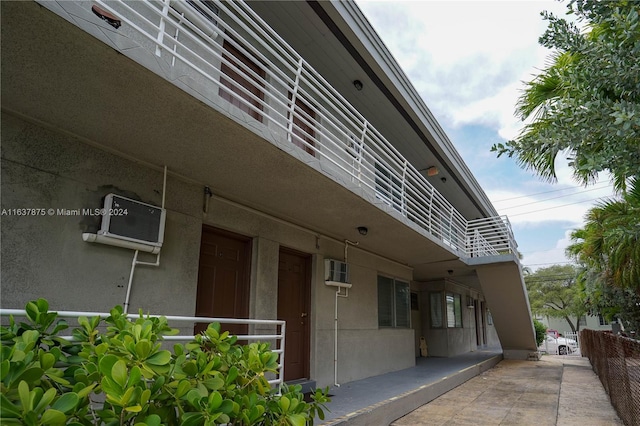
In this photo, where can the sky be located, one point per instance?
(469, 61)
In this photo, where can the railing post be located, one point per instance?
(161, 27)
(294, 96)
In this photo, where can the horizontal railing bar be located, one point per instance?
(335, 125)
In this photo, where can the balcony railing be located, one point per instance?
(273, 331)
(235, 62)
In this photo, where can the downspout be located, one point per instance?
(135, 262)
(339, 293)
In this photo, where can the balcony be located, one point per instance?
(226, 56)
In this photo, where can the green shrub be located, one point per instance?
(212, 380)
(541, 331)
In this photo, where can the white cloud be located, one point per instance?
(466, 58)
(544, 258)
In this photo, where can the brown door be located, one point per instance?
(223, 277)
(294, 281)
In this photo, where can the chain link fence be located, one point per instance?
(616, 360)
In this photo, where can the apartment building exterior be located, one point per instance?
(281, 142)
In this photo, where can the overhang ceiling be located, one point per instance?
(61, 77)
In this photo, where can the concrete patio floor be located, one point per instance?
(478, 389)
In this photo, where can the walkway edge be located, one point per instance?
(385, 412)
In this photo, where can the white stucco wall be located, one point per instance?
(45, 256)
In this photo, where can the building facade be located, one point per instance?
(281, 139)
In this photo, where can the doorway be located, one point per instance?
(294, 300)
(223, 278)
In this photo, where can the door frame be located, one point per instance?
(308, 259)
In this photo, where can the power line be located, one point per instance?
(553, 198)
(557, 207)
(546, 192)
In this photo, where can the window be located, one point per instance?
(233, 93)
(454, 310)
(435, 300)
(602, 321)
(304, 123)
(393, 303)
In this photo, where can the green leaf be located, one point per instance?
(46, 399)
(53, 417)
(153, 420)
(215, 400)
(47, 360)
(213, 383)
(183, 387)
(66, 402)
(134, 409)
(143, 348)
(297, 419)
(107, 362)
(31, 375)
(284, 403)
(192, 419)
(24, 395)
(159, 358)
(119, 373)
(7, 408)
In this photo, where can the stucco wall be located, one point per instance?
(446, 342)
(45, 256)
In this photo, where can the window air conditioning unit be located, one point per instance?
(130, 224)
(336, 273)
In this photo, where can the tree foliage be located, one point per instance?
(609, 243)
(586, 103)
(123, 376)
(554, 292)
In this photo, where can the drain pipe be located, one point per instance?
(345, 295)
(135, 262)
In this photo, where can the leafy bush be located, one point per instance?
(122, 376)
(541, 331)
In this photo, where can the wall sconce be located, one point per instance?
(450, 272)
(443, 179)
(363, 230)
(358, 84)
(432, 171)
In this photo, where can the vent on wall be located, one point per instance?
(336, 271)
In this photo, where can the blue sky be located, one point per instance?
(468, 60)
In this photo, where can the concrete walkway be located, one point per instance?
(557, 390)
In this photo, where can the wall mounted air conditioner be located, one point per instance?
(130, 224)
(336, 272)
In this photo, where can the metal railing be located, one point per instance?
(213, 42)
(616, 361)
(276, 328)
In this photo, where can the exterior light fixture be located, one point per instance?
(443, 179)
(363, 230)
(358, 84)
(432, 171)
(106, 16)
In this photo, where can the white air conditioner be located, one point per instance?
(130, 224)
(336, 271)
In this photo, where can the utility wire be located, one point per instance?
(557, 207)
(547, 192)
(552, 198)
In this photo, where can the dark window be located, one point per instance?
(234, 80)
(393, 303)
(454, 310)
(304, 125)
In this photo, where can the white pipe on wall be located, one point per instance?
(135, 262)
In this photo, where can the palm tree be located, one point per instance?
(609, 243)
